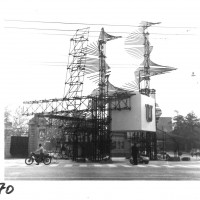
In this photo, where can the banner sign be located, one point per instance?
(148, 112)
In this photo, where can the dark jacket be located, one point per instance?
(135, 151)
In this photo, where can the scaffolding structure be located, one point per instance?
(147, 143)
(137, 44)
(84, 120)
(76, 64)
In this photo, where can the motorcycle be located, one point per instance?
(35, 157)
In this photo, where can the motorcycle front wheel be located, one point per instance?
(47, 160)
(29, 161)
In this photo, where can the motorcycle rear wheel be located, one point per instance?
(29, 161)
(47, 160)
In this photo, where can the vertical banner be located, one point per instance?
(148, 112)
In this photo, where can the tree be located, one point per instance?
(7, 115)
(192, 125)
(17, 121)
(188, 130)
(20, 122)
(179, 125)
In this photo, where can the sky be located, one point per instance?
(33, 62)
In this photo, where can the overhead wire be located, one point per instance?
(92, 31)
(93, 24)
(62, 30)
(51, 29)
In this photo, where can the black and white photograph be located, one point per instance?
(100, 99)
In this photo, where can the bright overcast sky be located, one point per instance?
(34, 61)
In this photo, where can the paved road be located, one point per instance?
(16, 169)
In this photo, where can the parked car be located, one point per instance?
(161, 155)
(195, 152)
(166, 156)
(172, 156)
(141, 159)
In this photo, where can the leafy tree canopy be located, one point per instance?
(18, 122)
(186, 125)
(188, 128)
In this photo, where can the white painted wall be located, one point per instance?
(134, 119)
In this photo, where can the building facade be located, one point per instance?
(137, 125)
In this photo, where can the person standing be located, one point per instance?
(135, 154)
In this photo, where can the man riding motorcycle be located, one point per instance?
(41, 154)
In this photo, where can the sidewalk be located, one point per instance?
(119, 159)
(114, 160)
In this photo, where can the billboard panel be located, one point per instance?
(141, 117)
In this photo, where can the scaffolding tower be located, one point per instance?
(138, 46)
(86, 120)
